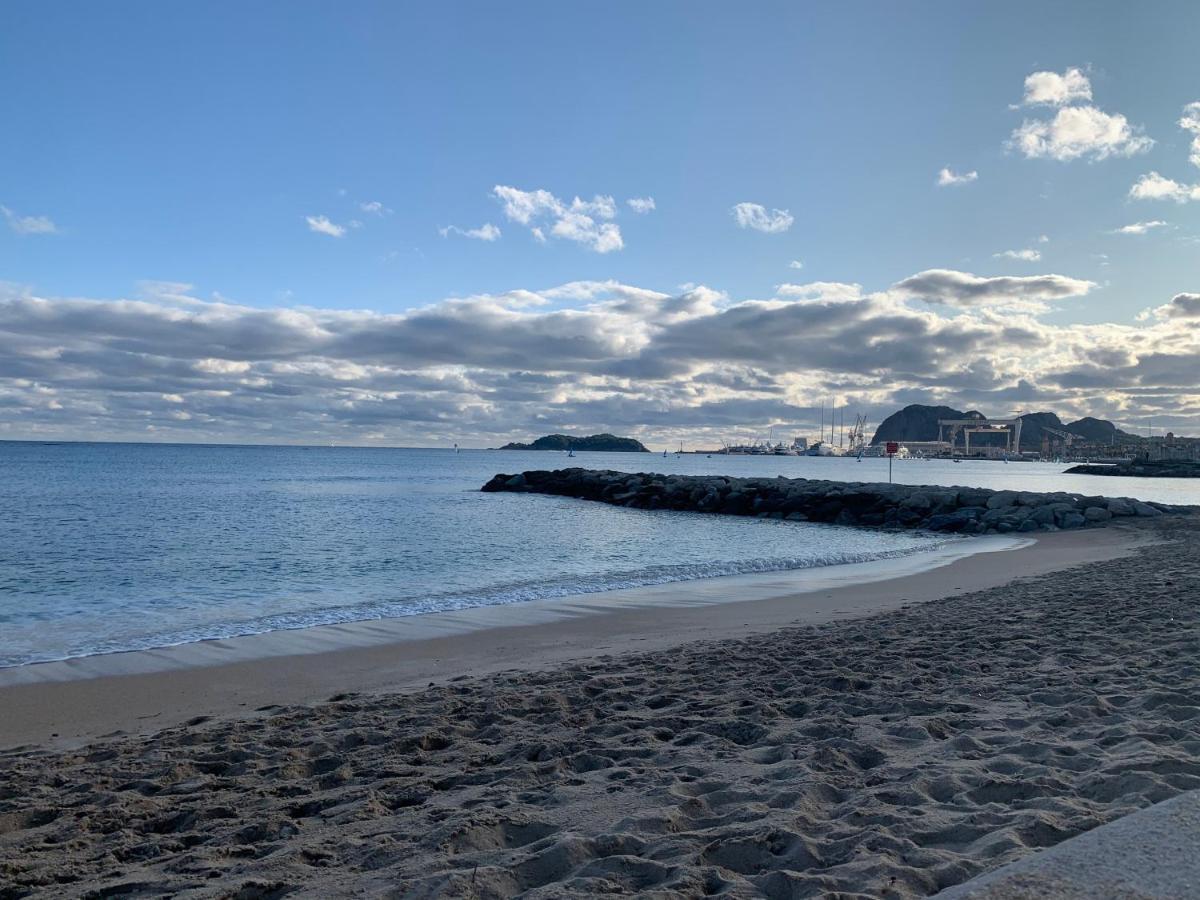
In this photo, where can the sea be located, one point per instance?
(114, 547)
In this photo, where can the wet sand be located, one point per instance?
(849, 739)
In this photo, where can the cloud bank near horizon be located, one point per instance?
(583, 356)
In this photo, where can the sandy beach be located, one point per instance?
(847, 740)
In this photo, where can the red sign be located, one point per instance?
(892, 448)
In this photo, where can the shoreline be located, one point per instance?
(764, 747)
(333, 636)
(71, 702)
(325, 636)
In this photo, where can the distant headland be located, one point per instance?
(609, 443)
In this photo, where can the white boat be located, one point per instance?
(820, 448)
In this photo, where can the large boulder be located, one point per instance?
(1001, 499)
(1145, 510)
(1120, 507)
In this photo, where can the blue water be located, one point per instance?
(107, 547)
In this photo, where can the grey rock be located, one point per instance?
(1043, 515)
(1097, 514)
(1146, 510)
(1001, 499)
(1119, 507)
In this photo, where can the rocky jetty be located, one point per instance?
(962, 510)
(1141, 468)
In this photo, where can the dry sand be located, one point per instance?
(890, 755)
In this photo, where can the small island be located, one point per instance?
(609, 443)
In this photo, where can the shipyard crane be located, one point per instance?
(858, 434)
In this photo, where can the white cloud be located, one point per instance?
(948, 178)
(581, 228)
(831, 291)
(1190, 121)
(1139, 227)
(1156, 187)
(756, 216)
(1052, 89)
(1043, 239)
(578, 357)
(374, 207)
(29, 224)
(524, 206)
(322, 225)
(963, 289)
(641, 205)
(213, 366)
(1181, 306)
(1079, 132)
(486, 232)
(795, 264)
(576, 221)
(1023, 255)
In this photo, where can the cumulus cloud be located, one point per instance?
(1181, 306)
(486, 232)
(756, 216)
(1075, 131)
(1078, 132)
(641, 205)
(576, 221)
(1139, 227)
(1022, 255)
(322, 225)
(1190, 121)
(28, 224)
(1052, 89)
(1157, 187)
(963, 289)
(949, 178)
(589, 355)
(374, 207)
(796, 264)
(820, 290)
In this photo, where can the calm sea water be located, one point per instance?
(107, 547)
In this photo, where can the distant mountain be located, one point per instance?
(920, 423)
(1033, 428)
(1101, 431)
(607, 442)
(917, 423)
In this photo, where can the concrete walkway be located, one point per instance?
(1153, 854)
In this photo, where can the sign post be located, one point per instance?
(893, 448)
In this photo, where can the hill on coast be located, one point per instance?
(606, 442)
(920, 423)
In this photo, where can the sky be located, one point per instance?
(421, 224)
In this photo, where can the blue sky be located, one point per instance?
(191, 143)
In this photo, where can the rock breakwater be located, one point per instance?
(1140, 469)
(960, 510)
